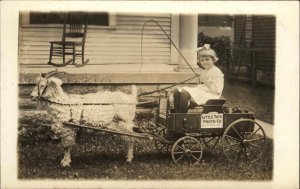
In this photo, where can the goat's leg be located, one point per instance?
(130, 145)
(68, 141)
(67, 157)
(127, 126)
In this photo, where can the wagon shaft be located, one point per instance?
(147, 136)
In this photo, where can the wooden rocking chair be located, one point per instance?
(72, 43)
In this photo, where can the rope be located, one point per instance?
(143, 94)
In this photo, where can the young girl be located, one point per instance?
(210, 87)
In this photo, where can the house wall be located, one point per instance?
(118, 44)
(257, 32)
(264, 30)
(242, 30)
(264, 37)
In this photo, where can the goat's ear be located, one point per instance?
(55, 80)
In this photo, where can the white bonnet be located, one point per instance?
(206, 50)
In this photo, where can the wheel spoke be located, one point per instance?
(179, 152)
(161, 147)
(183, 146)
(179, 158)
(231, 144)
(228, 143)
(254, 145)
(254, 132)
(180, 147)
(249, 148)
(195, 157)
(237, 133)
(235, 149)
(251, 152)
(231, 138)
(242, 129)
(255, 139)
(240, 152)
(194, 145)
(196, 151)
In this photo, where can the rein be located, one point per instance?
(154, 21)
(165, 33)
(143, 94)
(85, 104)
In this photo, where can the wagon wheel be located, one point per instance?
(187, 150)
(211, 142)
(162, 147)
(244, 140)
(152, 123)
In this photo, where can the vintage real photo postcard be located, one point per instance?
(200, 94)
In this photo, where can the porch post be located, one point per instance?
(188, 37)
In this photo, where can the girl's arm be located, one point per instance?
(214, 83)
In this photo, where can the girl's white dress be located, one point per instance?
(201, 93)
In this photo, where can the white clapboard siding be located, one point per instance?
(40, 49)
(96, 61)
(92, 34)
(117, 45)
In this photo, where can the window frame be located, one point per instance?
(24, 20)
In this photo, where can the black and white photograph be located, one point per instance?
(164, 95)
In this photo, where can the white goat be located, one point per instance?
(63, 107)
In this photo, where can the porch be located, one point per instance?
(110, 74)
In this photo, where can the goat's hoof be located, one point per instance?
(65, 163)
(128, 162)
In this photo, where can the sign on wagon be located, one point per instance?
(212, 120)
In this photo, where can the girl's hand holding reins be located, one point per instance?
(203, 78)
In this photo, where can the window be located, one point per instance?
(94, 18)
(214, 20)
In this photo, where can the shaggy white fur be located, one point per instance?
(64, 107)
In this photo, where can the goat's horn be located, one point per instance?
(52, 73)
(47, 74)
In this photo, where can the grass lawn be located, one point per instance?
(259, 100)
(95, 158)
